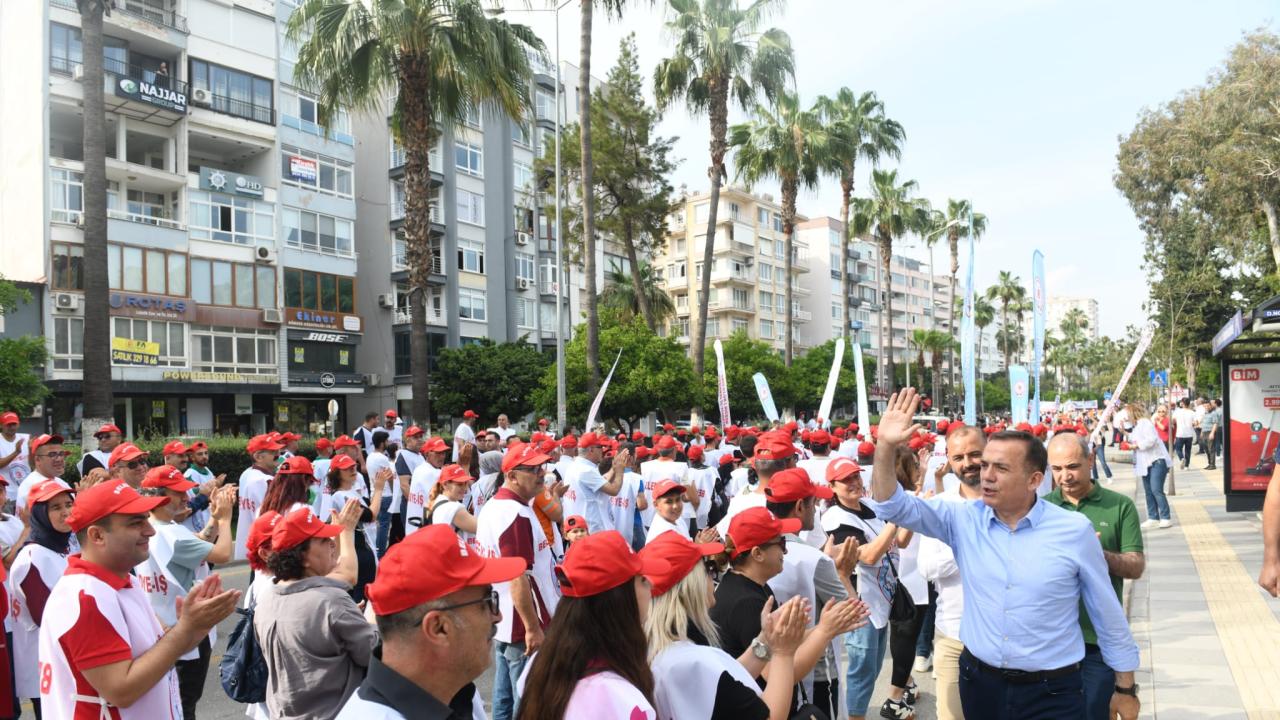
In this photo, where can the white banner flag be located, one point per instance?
(766, 397)
(864, 413)
(1144, 341)
(722, 386)
(829, 395)
(595, 404)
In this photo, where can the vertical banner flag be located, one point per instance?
(766, 397)
(1018, 393)
(722, 386)
(864, 413)
(595, 404)
(1037, 318)
(968, 341)
(1144, 341)
(829, 394)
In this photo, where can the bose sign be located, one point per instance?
(326, 337)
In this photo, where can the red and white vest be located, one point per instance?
(159, 582)
(49, 565)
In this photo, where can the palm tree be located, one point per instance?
(1072, 327)
(963, 220)
(790, 144)
(859, 131)
(98, 399)
(890, 212)
(720, 51)
(919, 338)
(620, 294)
(984, 313)
(1007, 291)
(447, 57)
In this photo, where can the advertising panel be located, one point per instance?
(1253, 431)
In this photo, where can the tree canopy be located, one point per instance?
(489, 378)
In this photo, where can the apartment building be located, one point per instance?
(748, 276)
(232, 262)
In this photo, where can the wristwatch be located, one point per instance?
(1132, 690)
(761, 650)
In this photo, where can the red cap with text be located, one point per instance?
(793, 485)
(681, 557)
(263, 443)
(601, 562)
(324, 444)
(261, 531)
(435, 443)
(576, 522)
(46, 490)
(107, 430)
(296, 465)
(174, 447)
(124, 452)
(454, 474)
(298, 526)
(168, 477)
(521, 455)
(839, 469)
(109, 498)
(568, 441)
(9, 418)
(46, 439)
(430, 564)
(470, 414)
(756, 526)
(345, 441)
(667, 486)
(414, 431)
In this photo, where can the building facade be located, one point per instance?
(232, 264)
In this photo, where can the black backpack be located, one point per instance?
(243, 669)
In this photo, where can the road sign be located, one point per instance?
(1107, 396)
(1159, 378)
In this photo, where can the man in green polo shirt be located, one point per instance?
(1115, 518)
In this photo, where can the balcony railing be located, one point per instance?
(400, 261)
(398, 157)
(802, 315)
(139, 10)
(398, 211)
(435, 316)
(115, 68)
(239, 108)
(146, 219)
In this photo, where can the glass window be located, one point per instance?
(523, 176)
(470, 207)
(177, 270)
(132, 264)
(201, 281)
(346, 295)
(470, 255)
(266, 284)
(524, 266)
(68, 267)
(224, 218)
(68, 343)
(155, 271)
(233, 92)
(244, 285)
(240, 350)
(221, 283)
(469, 159)
(472, 305)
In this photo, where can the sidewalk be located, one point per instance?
(1209, 636)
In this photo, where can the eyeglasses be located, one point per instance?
(55, 455)
(780, 542)
(491, 598)
(135, 464)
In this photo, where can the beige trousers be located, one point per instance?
(946, 665)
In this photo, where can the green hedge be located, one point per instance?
(226, 455)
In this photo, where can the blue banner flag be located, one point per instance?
(968, 341)
(1018, 393)
(1038, 313)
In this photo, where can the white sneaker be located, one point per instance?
(923, 664)
(1166, 523)
(1151, 523)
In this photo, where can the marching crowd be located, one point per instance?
(734, 572)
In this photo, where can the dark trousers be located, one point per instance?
(991, 697)
(902, 646)
(191, 676)
(1182, 450)
(1099, 684)
(924, 643)
(826, 695)
(397, 523)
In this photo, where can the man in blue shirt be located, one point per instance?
(1025, 566)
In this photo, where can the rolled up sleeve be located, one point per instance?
(1115, 640)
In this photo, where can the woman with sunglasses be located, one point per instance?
(684, 645)
(594, 662)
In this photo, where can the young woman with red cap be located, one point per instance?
(593, 664)
(684, 646)
(444, 506)
(341, 487)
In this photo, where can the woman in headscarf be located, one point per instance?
(487, 482)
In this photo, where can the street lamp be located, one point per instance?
(561, 398)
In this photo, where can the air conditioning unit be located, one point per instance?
(523, 238)
(264, 254)
(750, 261)
(201, 96)
(524, 283)
(386, 300)
(272, 316)
(66, 302)
(80, 220)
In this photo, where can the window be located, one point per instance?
(238, 350)
(305, 169)
(766, 329)
(469, 159)
(225, 218)
(766, 299)
(471, 255)
(525, 310)
(322, 357)
(780, 249)
(680, 328)
(766, 271)
(682, 302)
(677, 270)
(520, 133)
(713, 327)
(777, 224)
(762, 216)
(545, 105)
(734, 210)
(234, 92)
(68, 343)
(67, 197)
(308, 290)
(68, 267)
(318, 233)
(216, 282)
(472, 305)
(680, 246)
(523, 176)
(470, 207)
(472, 117)
(741, 299)
(306, 109)
(152, 271)
(170, 336)
(779, 303)
(524, 266)
(701, 212)
(737, 325)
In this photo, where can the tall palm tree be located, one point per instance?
(892, 211)
(620, 294)
(859, 131)
(447, 57)
(1007, 291)
(984, 313)
(1072, 327)
(790, 144)
(98, 399)
(721, 50)
(958, 213)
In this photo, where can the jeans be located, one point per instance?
(1100, 456)
(1182, 450)
(924, 643)
(191, 677)
(991, 697)
(1153, 485)
(1099, 684)
(384, 527)
(946, 666)
(509, 660)
(865, 647)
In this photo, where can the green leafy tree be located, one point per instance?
(790, 144)
(722, 51)
(809, 377)
(1008, 291)
(743, 358)
(937, 344)
(651, 302)
(505, 372)
(21, 387)
(443, 59)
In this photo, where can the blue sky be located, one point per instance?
(1015, 104)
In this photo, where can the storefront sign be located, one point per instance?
(282, 412)
(157, 408)
(302, 169)
(134, 352)
(225, 181)
(229, 378)
(156, 307)
(324, 321)
(152, 94)
(324, 337)
(327, 380)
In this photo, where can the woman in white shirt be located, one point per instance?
(1151, 463)
(341, 484)
(445, 503)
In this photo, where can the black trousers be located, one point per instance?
(902, 646)
(191, 676)
(826, 695)
(991, 697)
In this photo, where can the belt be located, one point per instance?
(1020, 677)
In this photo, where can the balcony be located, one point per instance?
(135, 10)
(721, 277)
(435, 315)
(435, 215)
(802, 315)
(234, 107)
(400, 264)
(396, 160)
(171, 94)
(718, 306)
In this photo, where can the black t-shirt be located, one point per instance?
(736, 614)
(850, 529)
(734, 701)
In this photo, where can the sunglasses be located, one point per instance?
(491, 599)
(135, 464)
(54, 455)
(780, 542)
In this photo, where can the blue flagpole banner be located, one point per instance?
(766, 397)
(864, 413)
(1039, 300)
(968, 340)
(1018, 379)
(595, 405)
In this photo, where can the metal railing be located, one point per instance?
(115, 68)
(146, 219)
(400, 261)
(238, 108)
(434, 214)
(142, 11)
(435, 316)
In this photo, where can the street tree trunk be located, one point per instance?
(846, 194)
(588, 200)
(790, 187)
(719, 113)
(637, 283)
(99, 403)
(1273, 228)
(419, 134)
(886, 311)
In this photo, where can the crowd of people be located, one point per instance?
(699, 572)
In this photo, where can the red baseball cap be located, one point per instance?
(414, 431)
(435, 443)
(174, 447)
(46, 490)
(263, 443)
(296, 465)
(454, 474)
(299, 525)
(324, 444)
(838, 469)
(202, 445)
(681, 557)
(820, 437)
(666, 442)
(573, 522)
(1039, 429)
(792, 485)
(643, 452)
(637, 436)
(344, 441)
(590, 439)
(804, 435)
(45, 439)
(568, 441)
(774, 445)
(756, 526)
(482, 434)
(342, 462)
(470, 414)
(668, 427)
(837, 432)
(710, 432)
(124, 452)
(106, 499)
(9, 418)
(430, 564)
(726, 459)
(543, 421)
(391, 414)
(695, 453)
(548, 446)
(289, 437)
(104, 430)
(667, 486)
(866, 448)
(261, 531)
(601, 562)
(522, 455)
(943, 425)
(168, 477)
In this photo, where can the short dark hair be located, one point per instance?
(380, 438)
(748, 446)
(771, 466)
(781, 510)
(1036, 456)
(371, 415)
(406, 621)
(287, 564)
(82, 535)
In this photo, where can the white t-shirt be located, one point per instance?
(607, 695)
(374, 464)
(876, 583)
(584, 496)
(19, 467)
(36, 568)
(686, 677)
(662, 525)
(424, 478)
(464, 434)
(1186, 423)
(704, 483)
(503, 433)
(654, 472)
(444, 512)
(10, 530)
(196, 521)
(816, 468)
(737, 482)
(253, 489)
(737, 504)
